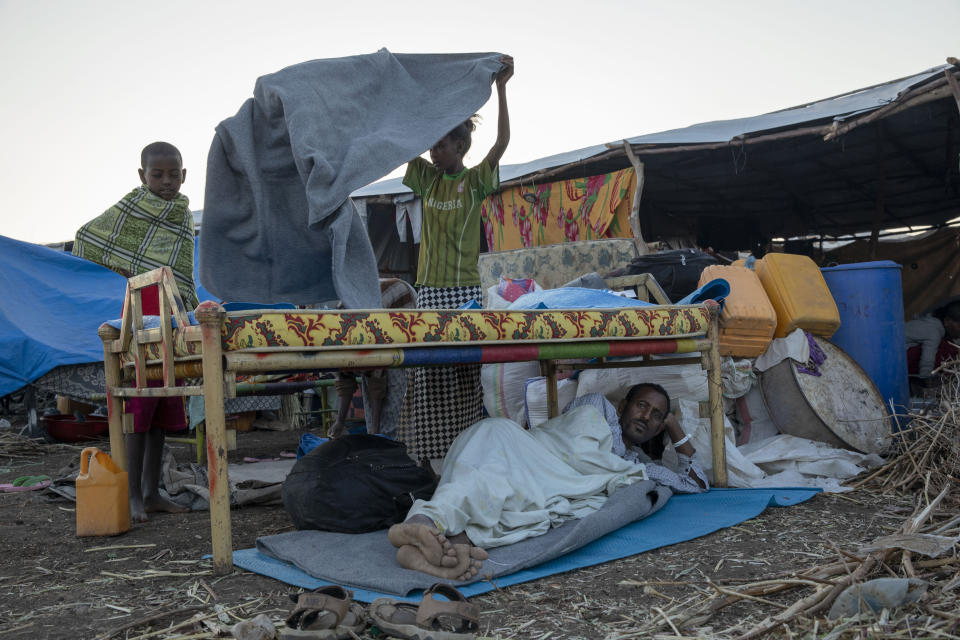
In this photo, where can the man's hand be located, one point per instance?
(676, 433)
(673, 427)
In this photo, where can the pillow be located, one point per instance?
(503, 388)
(535, 398)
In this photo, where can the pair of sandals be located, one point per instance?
(329, 613)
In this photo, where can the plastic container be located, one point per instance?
(799, 295)
(869, 297)
(748, 319)
(103, 504)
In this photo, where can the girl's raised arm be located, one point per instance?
(503, 118)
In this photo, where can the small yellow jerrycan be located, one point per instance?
(103, 504)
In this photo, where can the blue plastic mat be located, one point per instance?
(684, 517)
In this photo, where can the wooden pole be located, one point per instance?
(111, 368)
(642, 247)
(879, 202)
(954, 86)
(549, 370)
(166, 340)
(210, 315)
(711, 362)
(934, 90)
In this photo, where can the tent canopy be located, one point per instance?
(882, 157)
(51, 305)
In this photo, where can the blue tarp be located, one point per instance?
(51, 305)
(684, 517)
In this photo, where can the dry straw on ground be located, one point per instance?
(918, 489)
(924, 466)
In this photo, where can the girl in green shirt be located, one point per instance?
(448, 400)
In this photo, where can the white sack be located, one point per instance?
(794, 346)
(503, 388)
(535, 393)
(806, 462)
(736, 377)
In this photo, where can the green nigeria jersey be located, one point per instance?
(451, 230)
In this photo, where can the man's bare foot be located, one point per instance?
(469, 561)
(433, 545)
(153, 504)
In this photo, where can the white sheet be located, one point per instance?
(501, 484)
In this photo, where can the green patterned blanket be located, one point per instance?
(140, 233)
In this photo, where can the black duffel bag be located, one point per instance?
(677, 271)
(355, 484)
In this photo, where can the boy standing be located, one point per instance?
(150, 227)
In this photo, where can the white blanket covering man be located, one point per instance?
(501, 484)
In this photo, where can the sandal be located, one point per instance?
(432, 619)
(327, 613)
(26, 483)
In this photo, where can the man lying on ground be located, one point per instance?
(501, 484)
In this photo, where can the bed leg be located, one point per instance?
(718, 443)
(111, 369)
(548, 368)
(211, 316)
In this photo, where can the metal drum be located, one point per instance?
(841, 407)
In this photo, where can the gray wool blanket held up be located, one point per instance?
(368, 560)
(278, 223)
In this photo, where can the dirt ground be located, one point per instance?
(153, 582)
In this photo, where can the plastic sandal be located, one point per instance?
(30, 481)
(26, 483)
(432, 619)
(327, 613)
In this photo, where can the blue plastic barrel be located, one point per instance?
(869, 296)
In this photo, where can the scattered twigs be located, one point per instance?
(193, 620)
(824, 582)
(928, 450)
(16, 446)
(147, 620)
(120, 546)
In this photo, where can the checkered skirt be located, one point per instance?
(446, 400)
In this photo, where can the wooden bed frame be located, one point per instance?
(223, 345)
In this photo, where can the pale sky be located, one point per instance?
(85, 85)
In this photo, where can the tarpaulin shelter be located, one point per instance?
(930, 265)
(51, 304)
(881, 157)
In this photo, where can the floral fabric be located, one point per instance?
(532, 215)
(423, 327)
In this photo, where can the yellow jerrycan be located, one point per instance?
(103, 504)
